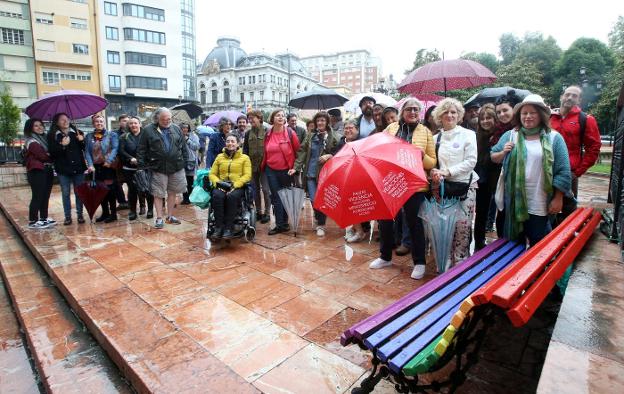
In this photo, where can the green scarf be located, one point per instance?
(518, 212)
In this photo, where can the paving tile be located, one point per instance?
(308, 251)
(286, 293)
(252, 287)
(301, 273)
(123, 259)
(215, 272)
(383, 275)
(154, 240)
(94, 241)
(86, 279)
(304, 313)
(336, 284)
(345, 259)
(372, 298)
(312, 368)
(262, 259)
(181, 253)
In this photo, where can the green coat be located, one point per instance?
(253, 146)
(303, 154)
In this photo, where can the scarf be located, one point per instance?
(41, 140)
(518, 211)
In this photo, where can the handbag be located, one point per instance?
(452, 189)
(200, 197)
(499, 195)
(142, 180)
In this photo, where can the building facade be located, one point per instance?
(147, 52)
(65, 43)
(356, 70)
(229, 78)
(17, 61)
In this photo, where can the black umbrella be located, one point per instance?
(489, 95)
(193, 110)
(318, 99)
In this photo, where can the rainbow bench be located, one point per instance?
(448, 317)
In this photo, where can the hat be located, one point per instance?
(533, 99)
(335, 112)
(369, 98)
(471, 105)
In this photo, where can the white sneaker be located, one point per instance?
(379, 263)
(320, 231)
(38, 224)
(355, 238)
(418, 272)
(349, 233)
(50, 222)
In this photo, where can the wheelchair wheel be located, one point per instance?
(250, 234)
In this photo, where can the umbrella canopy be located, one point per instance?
(91, 193)
(292, 200)
(426, 104)
(440, 218)
(383, 172)
(213, 120)
(205, 130)
(353, 105)
(192, 110)
(178, 117)
(445, 75)
(76, 104)
(318, 99)
(489, 95)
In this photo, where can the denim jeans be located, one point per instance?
(535, 228)
(261, 192)
(278, 179)
(66, 181)
(415, 231)
(320, 217)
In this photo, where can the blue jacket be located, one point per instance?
(562, 176)
(216, 143)
(110, 146)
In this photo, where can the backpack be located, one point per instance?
(582, 123)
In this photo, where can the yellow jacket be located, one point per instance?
(236, 169)
(423, 139)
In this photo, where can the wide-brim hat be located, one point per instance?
(334, 112)
(533, 99)
(366, 98)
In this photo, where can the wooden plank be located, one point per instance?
(417, 336)
(366, 326)
(522, 311)
(484, 295)
(420, 363)
(507, 294)
(417, 310)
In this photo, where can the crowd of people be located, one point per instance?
(513, 165)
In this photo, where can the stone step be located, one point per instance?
(151, 352)
(67, 358)
(16, 373)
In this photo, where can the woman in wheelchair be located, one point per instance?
(230, 173)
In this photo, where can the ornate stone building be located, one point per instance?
(229, 78)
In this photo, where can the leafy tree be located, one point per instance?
(522, 75)
(9, 117)
(616, 36)
(424, 56)
(543, 53)
(484, 58)
(509, 46)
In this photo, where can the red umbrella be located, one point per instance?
(91, 193)
(446, 75)
(369, 179)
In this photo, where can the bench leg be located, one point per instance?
(368, 385)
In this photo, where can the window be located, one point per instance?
(114, 83)
(214, 94)
(144, 35)
(146, 59)
(81, 49)
(78, 23)
(274, 95)
(226, 95)
(112, 57)
(202, 97)
(15, 63)
(262, 95)
(50, 77)
(79, 1)
(242, 96)
(83, 75)
(112, 33)
(146, 83)
(46, 45)
(110, 8)
(46, 19)
(140, 11)
(251, 96)
(11, 10)
(12, 36)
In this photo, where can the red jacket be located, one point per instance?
(290, 152)
(569, 127)
(36, 156)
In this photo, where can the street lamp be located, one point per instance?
(179, 99)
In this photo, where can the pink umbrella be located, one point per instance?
(76, 104)
(426, 103)
(445, 75)
(214, 119)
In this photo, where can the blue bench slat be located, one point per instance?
(418, 331)
(381, 335)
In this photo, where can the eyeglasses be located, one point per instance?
(412, 109)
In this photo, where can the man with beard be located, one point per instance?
(471, 117)
(366, 121)
(582, 137)
(241, 126)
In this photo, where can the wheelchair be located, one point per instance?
(244, 221)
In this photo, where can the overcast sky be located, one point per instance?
(395, 30)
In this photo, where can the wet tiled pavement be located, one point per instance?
(176, 311)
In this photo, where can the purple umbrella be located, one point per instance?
(213, 120)
(75, 103)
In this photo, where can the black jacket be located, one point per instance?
(68, 160)
(128, 147)
(151, 153)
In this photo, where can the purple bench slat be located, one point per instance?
(361, 329)
(420, 336)
(375, 339)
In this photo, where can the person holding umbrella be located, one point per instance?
(537, 171)
(456, 151)
(101, 153)
(39, 173)
(253, 146)
(216, 141)
(128, 146)
(317, 148)
(409, 129)
(280, 149)
(66, 147)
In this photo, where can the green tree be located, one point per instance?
(508, 47)
(486, 59)
(543, 53)
(424, 56)
(9, 117)
(522, 75)
(616, 36)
